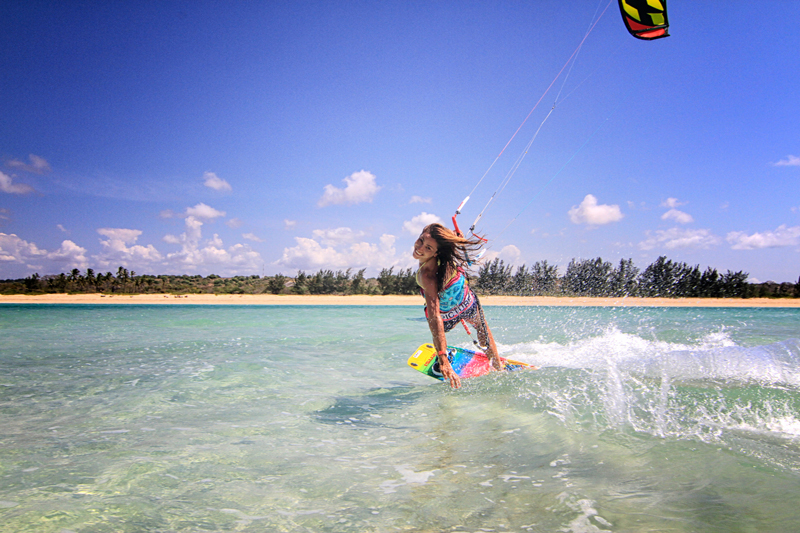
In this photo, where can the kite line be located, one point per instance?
(571, 63)
(542, 188)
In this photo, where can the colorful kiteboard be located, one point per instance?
(466, 363)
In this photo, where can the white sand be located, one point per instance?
(269, 299)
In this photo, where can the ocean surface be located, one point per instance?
(307, 419)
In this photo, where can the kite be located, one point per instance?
(645, 19)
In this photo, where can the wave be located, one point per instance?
(715, 357)
(715, 391)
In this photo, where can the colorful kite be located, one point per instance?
(645, 19)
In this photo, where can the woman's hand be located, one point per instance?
(447, 371)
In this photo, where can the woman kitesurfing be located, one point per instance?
(444, 255)
(443, 259)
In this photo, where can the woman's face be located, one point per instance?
(425, 248)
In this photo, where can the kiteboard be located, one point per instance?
(465, 363)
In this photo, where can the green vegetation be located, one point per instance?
(125, 282)
(586, 277)
(595, 277)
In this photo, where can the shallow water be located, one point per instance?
(264, 418)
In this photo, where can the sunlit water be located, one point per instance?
(262, 418)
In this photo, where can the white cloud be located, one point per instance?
(124, 236)
(14, 250)
(37, 165)
(212, 181)
(211, 255)
(509, 254)
(289, 224)
(337, 236)
(7, 185)
(360, 187)
(62, 228)
(309, 254)
(781, 237)
(790, 161)
(672, 203)
(589, 212)
(679, 238)
(202, 210)
(674, 214)
(416, 224)
(252, 237)
(70, 255)
(120, 249)
(420, 200)
(234, 223)
(678, 216)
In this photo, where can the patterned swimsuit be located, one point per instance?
(456, 300)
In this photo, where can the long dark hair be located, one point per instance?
(453, 253)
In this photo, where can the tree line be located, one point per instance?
(582, 277)
(595, 277)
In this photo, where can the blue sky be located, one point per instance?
(242, 138)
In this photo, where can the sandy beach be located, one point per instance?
(270, 299)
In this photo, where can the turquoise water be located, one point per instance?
(264, 418)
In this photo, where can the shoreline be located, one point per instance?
(365, 300)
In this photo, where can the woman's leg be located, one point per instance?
(485, 337)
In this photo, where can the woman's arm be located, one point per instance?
(437, 328)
